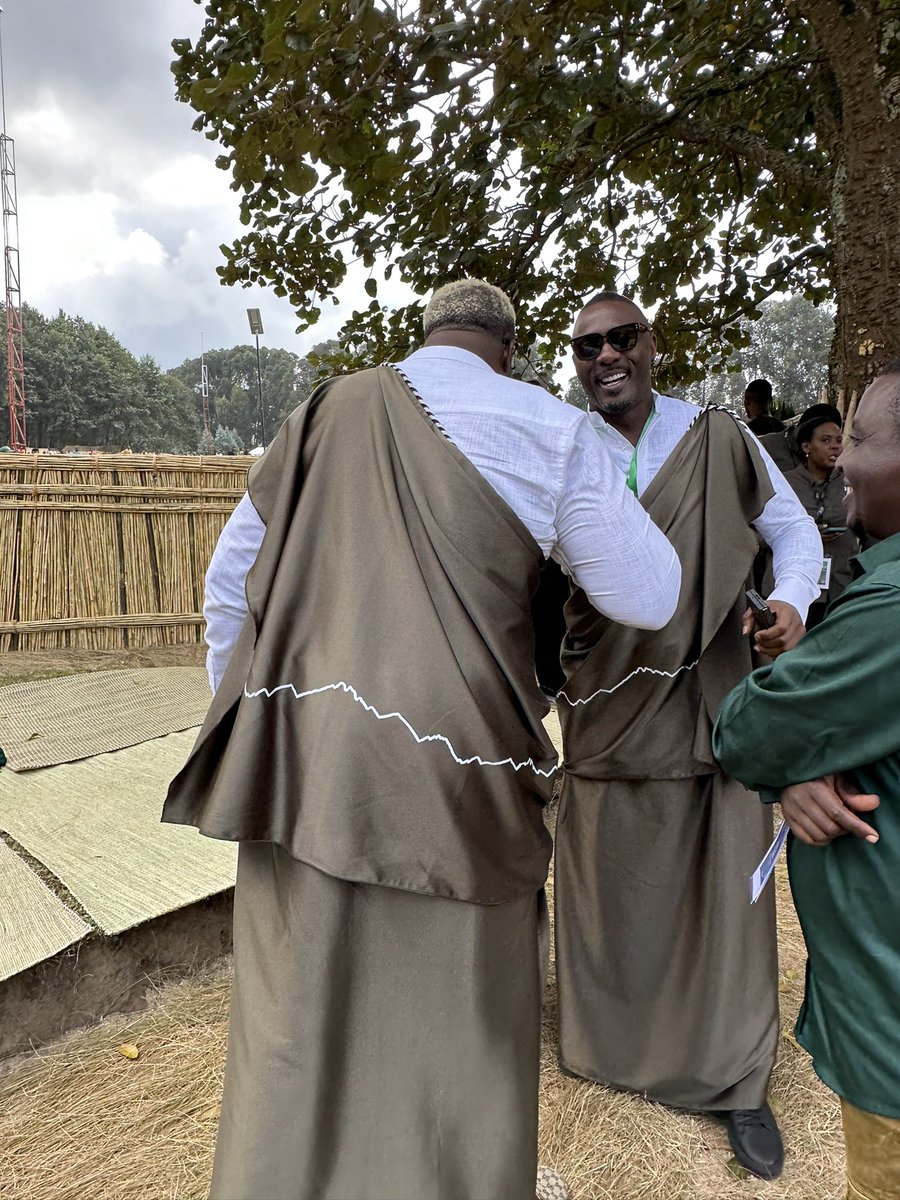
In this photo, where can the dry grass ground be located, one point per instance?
(79, 1121)
(613, 1146)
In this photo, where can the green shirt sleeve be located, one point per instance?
(831, 704)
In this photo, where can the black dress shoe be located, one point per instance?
(756, 1142)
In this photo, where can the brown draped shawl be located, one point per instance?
(667, 975)
(388, 616)
(640, 704)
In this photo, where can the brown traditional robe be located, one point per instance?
(667, 975)
(376, 746)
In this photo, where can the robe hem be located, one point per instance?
(682, 1106)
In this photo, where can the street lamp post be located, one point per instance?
(256, 328)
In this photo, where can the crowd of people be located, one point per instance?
(375, 744)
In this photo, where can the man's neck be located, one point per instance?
(631, 423)
(476, 342)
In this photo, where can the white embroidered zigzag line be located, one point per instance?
(420, 738)
(622, 682)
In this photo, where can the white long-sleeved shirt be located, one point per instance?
(545, 461)
(783, 523)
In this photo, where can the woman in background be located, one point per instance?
(821, 491)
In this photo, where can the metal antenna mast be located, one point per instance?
(15, 359)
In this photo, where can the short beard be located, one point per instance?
(613, 408)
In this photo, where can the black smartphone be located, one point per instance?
(762, 614)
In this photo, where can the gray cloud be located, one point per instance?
(121, 212)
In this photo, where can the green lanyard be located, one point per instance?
(631, 477)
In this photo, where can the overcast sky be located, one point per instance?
(121, 210)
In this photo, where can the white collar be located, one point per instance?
(450, 354)
(603, 427)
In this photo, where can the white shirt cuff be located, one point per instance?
(797, 593)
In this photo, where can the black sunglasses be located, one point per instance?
(622, 337)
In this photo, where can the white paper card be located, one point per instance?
(825, 575)
(761, 875)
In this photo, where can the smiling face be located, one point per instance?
(616, 381)
(871, 461)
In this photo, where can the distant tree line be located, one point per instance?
(234, 408)
(83, 388)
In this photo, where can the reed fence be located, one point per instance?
(108, 551)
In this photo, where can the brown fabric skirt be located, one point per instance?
(383, 1045)
(667, 975)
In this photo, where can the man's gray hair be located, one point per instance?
(471, 304)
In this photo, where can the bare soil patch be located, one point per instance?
(16, 666)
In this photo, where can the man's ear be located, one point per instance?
(506, 357)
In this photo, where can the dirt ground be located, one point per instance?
(18, 665)
(81, 1121)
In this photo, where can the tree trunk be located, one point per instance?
(860, 39)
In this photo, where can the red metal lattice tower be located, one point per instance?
(15, 358)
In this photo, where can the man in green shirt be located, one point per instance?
(819, 729)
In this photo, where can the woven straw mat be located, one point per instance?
(50, 721)
(95, 825)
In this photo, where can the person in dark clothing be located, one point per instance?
(547, 613)
(757, 399)
(817, 729)
(821, 490)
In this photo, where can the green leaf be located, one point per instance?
(300, 177)
(440, 221)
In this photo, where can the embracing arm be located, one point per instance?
(796, 545)
(607, 542)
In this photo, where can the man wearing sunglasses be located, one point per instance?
(667, 975)
(375, 745)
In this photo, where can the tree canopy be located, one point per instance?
(703, 154)
(788, 345)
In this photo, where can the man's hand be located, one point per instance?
(823, 809)
(783, 635)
